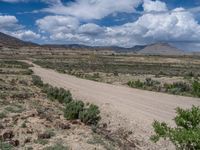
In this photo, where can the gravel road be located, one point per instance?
(121, 105)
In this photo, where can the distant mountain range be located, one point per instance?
(110, 48)
(152, 49)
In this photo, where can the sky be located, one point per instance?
(124, 23)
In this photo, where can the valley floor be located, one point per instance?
(122, 107)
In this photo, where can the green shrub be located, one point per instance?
(61, 70)
(196, 88)
(64, 96)
(2, 115)
(5, 146)
(28, 72)
(186, 134)
(136, 84)
(59, 94)
(14, 109)
(90, 116)
(178, 86)
(37, 81)
(148, 84)
(73, 109)
(41, 141)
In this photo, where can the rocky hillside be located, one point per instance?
(9, 41)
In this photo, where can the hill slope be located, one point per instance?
(161, 49)
(9, 41)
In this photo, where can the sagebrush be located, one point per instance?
(186, 134)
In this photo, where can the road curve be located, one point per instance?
(137, 105)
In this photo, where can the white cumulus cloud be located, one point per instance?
(58, 24)
(26, 35)
(168, 26)
(158, 6)
(7, 21)
(93, 9)
(91, 29)
(10, 25)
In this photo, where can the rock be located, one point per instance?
(49, 118)
(44, 136)
(15, 118)
(32, 113)
(27, 140)
(14, 142)
(76, 122)
(1, 126)
(29, 131)
(104, 125)
(6, 120)
(8, 134)
(64, 126)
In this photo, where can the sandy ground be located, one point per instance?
(122, 106)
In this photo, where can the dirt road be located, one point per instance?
(121, 105)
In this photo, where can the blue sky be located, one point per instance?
(103, 22)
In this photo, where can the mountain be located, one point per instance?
(118, 49)
(152, 49)
(67, 46)
(9, 41)
(97, 48)
(161, 49)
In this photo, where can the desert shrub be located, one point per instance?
(64, 96)
(77, 110)
(148, 84)
(23, 82)
(5, 146)
(59, 94)
(2, 115)
(37, 81)
(90, 115)
(177, 87)
(136, 84)
(60, 70)
(96, 75)
(196, 88)
(190, 74)
(116, 73)
(3, 95)
(73, 109)
(41, 141)
(186, 134)
(29, 72)
(23, 125)
(22, 95)
(49, 133)
(14, 109)
(14, 64)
